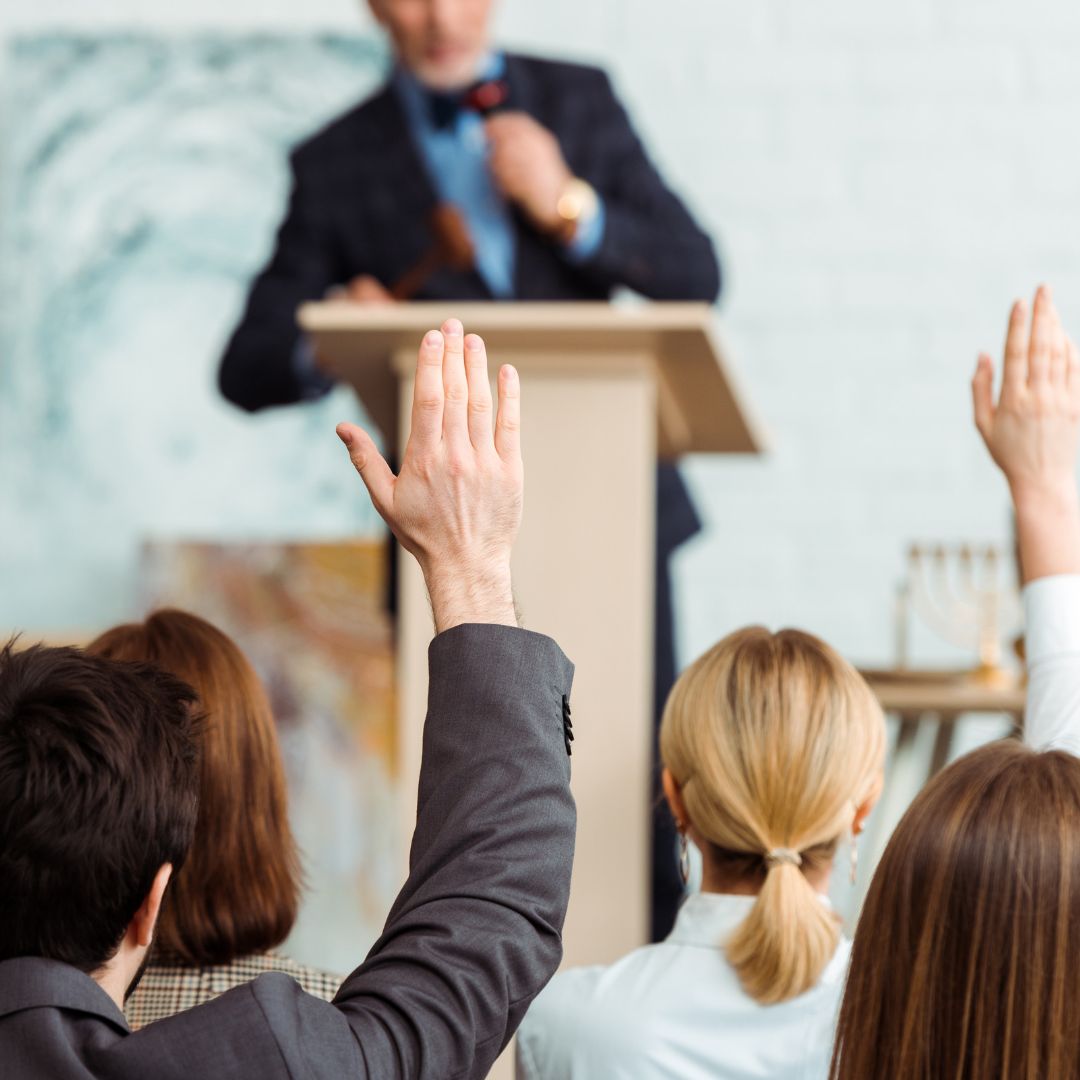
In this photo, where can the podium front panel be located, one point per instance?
(583, 573)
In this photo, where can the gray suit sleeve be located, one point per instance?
(476, 932)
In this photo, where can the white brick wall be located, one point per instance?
(882, 179)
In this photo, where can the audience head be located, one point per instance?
(240, 888)
(441, 42)
(773, 748)
(965, 958)
(98, 799)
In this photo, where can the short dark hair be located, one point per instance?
(98, 789)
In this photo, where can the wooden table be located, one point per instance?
(914, 695)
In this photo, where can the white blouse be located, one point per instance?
(676, 1011)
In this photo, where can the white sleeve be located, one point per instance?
(1052, 645)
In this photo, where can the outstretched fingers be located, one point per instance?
(1042, 339)
(982, 394)
(1015, 372)
(1072, 365)
(1072, 374)
(378, 477)
(508, 422)
(476, 371)
(1059, 352)
(427, 408)
(455, 385)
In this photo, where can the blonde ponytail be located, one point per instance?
(781, 948)
(774, 740)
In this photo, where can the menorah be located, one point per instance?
(959, 592)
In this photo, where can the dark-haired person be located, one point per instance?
(98, 800)
(966, 961)
(239, 894)
(561, 201)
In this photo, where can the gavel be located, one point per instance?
(451, 247)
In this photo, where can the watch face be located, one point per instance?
(569, 206)
(575, 200)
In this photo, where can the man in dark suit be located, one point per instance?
(98, 790)
(559, 199)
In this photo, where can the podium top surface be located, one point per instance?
(700, 407)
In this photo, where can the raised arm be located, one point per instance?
(476, 931)
(1031, 434)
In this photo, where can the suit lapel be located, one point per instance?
(398, 176)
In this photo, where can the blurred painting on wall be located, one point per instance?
(143, 176)
(312, 620)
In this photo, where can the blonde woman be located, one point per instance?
(773, 750)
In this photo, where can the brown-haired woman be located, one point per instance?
(773, 750)
(966, 962)
(237, 896)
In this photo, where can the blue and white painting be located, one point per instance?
(141, 181)
(140, 186)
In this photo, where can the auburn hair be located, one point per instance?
(964, 964)
(239, 890)
(774, 741)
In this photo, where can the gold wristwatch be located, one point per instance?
(577, 203)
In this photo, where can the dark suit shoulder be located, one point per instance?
(562, 75)
(345, 131)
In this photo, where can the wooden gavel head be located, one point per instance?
(452, 240)
(451, 246)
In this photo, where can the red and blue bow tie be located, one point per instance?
(484, 97)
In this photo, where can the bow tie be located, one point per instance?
(482, 97)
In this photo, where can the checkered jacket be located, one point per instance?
(169, 987)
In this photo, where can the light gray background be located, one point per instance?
(882, 179)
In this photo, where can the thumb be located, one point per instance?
(982, 394)
(370, 464)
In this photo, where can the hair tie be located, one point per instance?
(780, 855)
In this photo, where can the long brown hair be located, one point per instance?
(775, 741)
(239, 891)
(966, 962)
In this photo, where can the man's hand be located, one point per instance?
(1032, 434)
(456, 504)
(528, 167)
(364, 289)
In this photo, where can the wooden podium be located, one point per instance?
(604, 390)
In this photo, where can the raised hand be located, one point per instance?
(456, 503)
(1032, 433)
